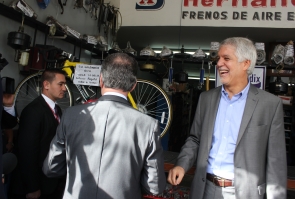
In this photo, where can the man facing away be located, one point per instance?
(107, 148)
(237, 138)
(38, 123)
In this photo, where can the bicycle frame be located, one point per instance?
(131, 100)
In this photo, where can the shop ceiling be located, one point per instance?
(193, 38)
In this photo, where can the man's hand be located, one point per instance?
(34, 195)
(8, 100)
(175, 175)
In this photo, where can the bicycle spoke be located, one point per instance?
(29, 87)
(148, 99)
(141, 94)
(153, 101)
(26, 94)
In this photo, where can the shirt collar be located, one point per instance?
(49, 101)
(241, 95)
(117, 94)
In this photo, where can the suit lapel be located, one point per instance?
(114, 98)
(47, 108)
(250, 106)
(214, 103)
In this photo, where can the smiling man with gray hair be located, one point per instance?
(237, 139)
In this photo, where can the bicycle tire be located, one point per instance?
(152, 100)
(30, 88)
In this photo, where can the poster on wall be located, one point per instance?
(257, 78)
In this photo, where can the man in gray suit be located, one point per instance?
(108, 149)
(237, 139)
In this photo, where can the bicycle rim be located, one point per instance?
(30, 88)
(152, 100)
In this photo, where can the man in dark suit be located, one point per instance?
(107, 148)
(237, 139)
(38, 123)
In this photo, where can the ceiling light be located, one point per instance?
(197, 78)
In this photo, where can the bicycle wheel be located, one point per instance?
(152, 100)
(30, 88)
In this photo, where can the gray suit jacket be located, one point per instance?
(109, 150)
(260, 154)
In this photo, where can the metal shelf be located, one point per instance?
(37, 25)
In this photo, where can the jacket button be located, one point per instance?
(203, 179)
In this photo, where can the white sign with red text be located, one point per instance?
(227, 13)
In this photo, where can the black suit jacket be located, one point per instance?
(8, 121)
(36, 129)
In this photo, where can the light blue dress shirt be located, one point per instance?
(226, 130)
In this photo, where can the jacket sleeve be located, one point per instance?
(276, 167)
(8, 121)
(55, 164)
(153, 177)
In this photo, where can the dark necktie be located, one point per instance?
(58, 112)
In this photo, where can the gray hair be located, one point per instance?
(119, 71)
(245, 50)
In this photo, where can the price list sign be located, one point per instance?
(87, 74)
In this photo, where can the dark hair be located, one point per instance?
(119, 71)
(49, 74)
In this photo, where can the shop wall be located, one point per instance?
(76, 19)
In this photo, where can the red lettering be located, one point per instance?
(258, 3)
(207, 3)
(219, 2)
(210, 3)
(235, 3)
(195, 3)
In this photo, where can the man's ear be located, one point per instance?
(46, 84)
(133, 87)
(247, 64)
(100, 81)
